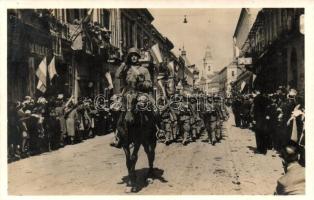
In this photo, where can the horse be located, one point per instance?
(142, 132)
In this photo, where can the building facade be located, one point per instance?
(86, 45)
(227, 76)
(276, 47)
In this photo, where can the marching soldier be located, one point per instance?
(184, 119)
(209, 116)
(219, 117)
(167, 119)
(194, 118)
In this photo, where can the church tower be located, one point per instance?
(208, 69)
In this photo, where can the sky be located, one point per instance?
(213, 27)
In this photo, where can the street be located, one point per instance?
(95, 168)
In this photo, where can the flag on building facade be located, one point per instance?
(52, 69)
(171, 68)
(161, 88)
(243, 84)
(109, 79)
(41, 87)
(253, 79)
(156, 53)
(41, 72)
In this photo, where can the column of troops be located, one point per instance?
(186, 118)
(40, 125)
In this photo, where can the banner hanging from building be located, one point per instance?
(52, 69)
(156, 53)
(41, 73)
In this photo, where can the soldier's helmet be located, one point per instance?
(193, 98)
(210, 98)
(186, 95)
(216, 98)
(42, 100)
(133, 51)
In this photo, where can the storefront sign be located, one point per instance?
(244, 61)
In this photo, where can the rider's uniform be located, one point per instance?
(137, 80)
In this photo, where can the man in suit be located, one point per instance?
(259, 112)
(293, 181)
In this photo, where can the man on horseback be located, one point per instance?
(138, 120)
(137, 81)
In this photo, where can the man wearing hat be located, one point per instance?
(219, 117)
(167, 118)
(236, 105)
(195, 119)
(185, 114)
(209, 117)
(60, 107)
(259, 113)
(284, 113)
(137, 79)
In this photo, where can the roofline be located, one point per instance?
(240, 19)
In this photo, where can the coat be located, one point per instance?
(71, 122)
(293, 182)
(60, 115)
(259, 112)
(138, 78)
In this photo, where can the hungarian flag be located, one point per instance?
(41, 87)
(52, 69)
(156, 53)
(171, 68)
(41, 73)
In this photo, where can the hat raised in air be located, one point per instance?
(60, 96)
(292, 93)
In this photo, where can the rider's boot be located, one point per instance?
(116, 143)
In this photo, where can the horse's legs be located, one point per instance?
(128, 159)
(150, 152)
(133, 159)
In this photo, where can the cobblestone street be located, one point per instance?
(95, 168)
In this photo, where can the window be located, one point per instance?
(76, 14)
(104, 18)
(232, 73)
(63, 18)
(69, 16)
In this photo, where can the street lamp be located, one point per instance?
(185, 21)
